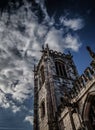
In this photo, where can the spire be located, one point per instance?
(47, 47)
(70, 54)
(92, 54)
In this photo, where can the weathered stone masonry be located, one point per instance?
(63, 100)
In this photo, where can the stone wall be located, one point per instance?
(66, 99)
(83, 89)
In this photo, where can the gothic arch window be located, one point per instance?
(42, 76)
(42, 109)
(89, 112)
(60, 69)
(92, 113)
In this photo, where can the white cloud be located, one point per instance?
(21, 39)
(15, 108)
(57, 41)
(72, 42)
(22, 92)
(14, 63)
(54, 39)
(3, 101)
(42, 31)
(74, 23)
(29, 119)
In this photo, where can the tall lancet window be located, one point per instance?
(42, 109)
(60, 69)
(42, 75)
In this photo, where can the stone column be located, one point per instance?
(51, 101)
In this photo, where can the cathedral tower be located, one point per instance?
(53, 79)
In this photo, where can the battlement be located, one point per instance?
(46, 52)
(83, 81)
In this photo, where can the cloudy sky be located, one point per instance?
(26, 25)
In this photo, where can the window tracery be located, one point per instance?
(60, 69)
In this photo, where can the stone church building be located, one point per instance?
(63, 100)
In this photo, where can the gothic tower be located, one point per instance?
(53, 79)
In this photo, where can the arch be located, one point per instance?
(42, 109)
(42, 75)
(87, 110)
(60, 68)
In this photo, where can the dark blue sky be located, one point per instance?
(77, 8)
(86, 10)
(66, 25)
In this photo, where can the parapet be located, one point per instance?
(82, 81)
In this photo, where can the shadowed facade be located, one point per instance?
(63, 100)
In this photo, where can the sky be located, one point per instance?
(26, 26)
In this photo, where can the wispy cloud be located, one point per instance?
(21, 38)
(72, 23)
(72, 42)
(58, 41)
(29, 119)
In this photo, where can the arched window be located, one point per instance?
(60, 69)
(92, 113)
(42, 75)
(42, 109)
(89, 112)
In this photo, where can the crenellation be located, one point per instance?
(93, 65)
(83, 80)
(86, 72)
(91, 70)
